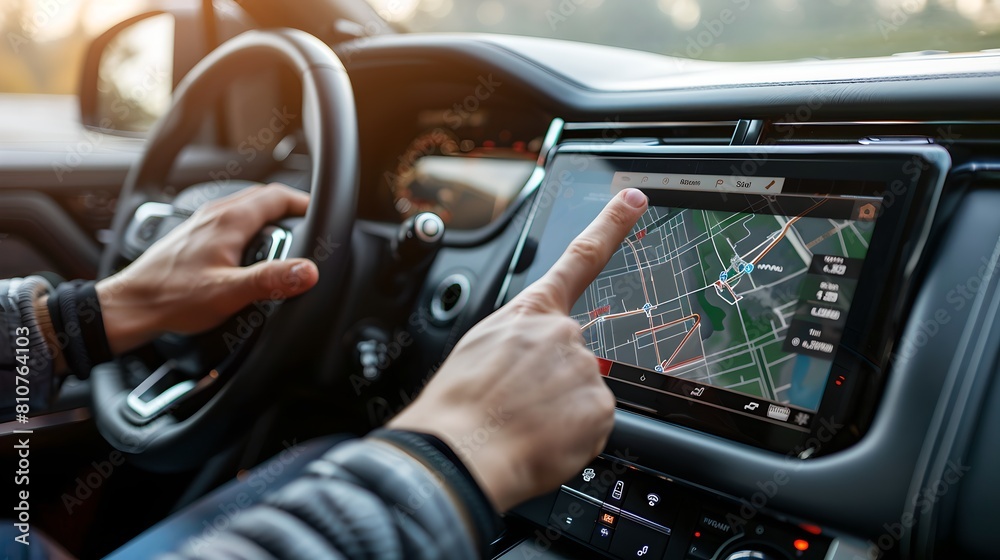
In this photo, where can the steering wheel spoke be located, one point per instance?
(150, 223)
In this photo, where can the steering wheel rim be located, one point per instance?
(330, 126)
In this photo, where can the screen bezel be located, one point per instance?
(912, 178)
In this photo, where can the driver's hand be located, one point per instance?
(521, 399)
(191, 280)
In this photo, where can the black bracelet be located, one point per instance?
(443, 460)
(79, 326)
(95, 337)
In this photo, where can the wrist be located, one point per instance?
(499, 477)
(466, 491)
(127, 324)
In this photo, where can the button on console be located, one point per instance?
(602, 480)
(574, 516)
(703, 546)
(652, 499)
(602, 536)
(632, 540)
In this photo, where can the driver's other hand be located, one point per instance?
(520, 399)
(191, 280)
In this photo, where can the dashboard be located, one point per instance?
(801, 331)
(462, 152)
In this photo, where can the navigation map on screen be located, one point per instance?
(750, 301)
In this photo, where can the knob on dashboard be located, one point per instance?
(750, 555)
(419, 238)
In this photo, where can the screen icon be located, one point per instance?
(653, 499)
(778, 412)
(866, 212)
(697, 392)
(588, 474)
(802, 419)
(751, 407)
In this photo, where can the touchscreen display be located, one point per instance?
(730, 291)
(747, 292)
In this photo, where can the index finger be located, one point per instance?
(268, 204)
(590, 252)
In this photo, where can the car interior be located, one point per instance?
(801, 332)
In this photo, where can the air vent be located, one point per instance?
(972, 135)
(710, 133)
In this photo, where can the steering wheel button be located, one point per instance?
(147, 231)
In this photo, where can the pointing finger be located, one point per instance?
(590, 252)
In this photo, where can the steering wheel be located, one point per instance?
(175, 412)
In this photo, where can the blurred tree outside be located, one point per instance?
(722, 30)
(43, 42)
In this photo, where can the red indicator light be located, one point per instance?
(801, 545)
(813, 529)
(839, 381)
(697, 534)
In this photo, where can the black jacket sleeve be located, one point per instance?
(391, 495)
(27, 382)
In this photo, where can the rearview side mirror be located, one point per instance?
(129, 75)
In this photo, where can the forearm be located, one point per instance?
(386, 496)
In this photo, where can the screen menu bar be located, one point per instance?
(701, 183)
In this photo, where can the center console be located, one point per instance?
(756, 303)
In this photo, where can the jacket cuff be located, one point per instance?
(442, 460)
(414, 493)
(19, 323)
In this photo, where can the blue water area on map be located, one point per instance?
(808, 383)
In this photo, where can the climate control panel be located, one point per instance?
(626, 512)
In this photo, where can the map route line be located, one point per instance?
(611, 316)
(695, 316)
(697, 321)
(684, 363)
(784, 231)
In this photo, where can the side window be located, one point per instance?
(42, 42)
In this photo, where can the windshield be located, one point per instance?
(724, 30)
